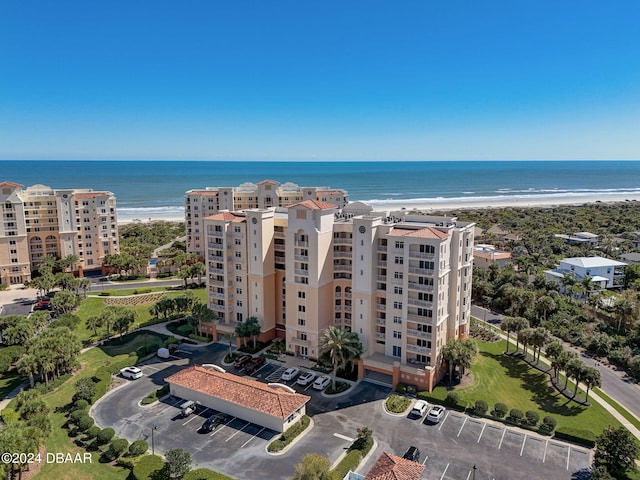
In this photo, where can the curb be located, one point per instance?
(293, 442)
(391, 414)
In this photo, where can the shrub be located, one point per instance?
(76, 415)
(290, 434)
(193, 336)
(4, 286)
(142, 290)
(92, 432)
(147, 466)
(138, 448)
(401, 388)
(500, 410)
(340, 387)
(396, 403)
(480, 407)
(451, 400)
(516, 415)
(118, 447)
(85, 423)
(106, 293)
(532, 417)
(80, 405)
(548, 424)
(349, 462)
(204, 474)
(105, 435)
(9, 415)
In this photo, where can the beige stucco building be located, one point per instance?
(39, 221)
(401, 281)
(200, 203)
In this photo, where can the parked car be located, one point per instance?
(241, 360)
(435, 414)
(42, 305)
(131, 373)
(412, 454)
(321, 383)
(290, 374)
(306, 378)
(254, 364)
(213, 421)
(188, 407)
(420, 408)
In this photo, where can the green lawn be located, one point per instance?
(9, 381)
(59, 441)
(506, 379)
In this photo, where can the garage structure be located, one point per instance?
(273, 405)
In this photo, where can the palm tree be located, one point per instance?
(554, 350)
(519, 324)
(541, 336)
(591, 378)
(526, 336)
(574, 369)
(506, 325)
(450, 354)
(341, 345)
(563, 361)
(467, 353)
(231, 338)
(545, 304)
(69, 262)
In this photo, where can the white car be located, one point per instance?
(290, 374)
(306, 378)
(420, 408)
(321, 383)
(435, 414)
(131, 373)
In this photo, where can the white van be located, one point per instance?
(187, 408)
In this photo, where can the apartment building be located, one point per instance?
(200, 203)
(401, 281)
(39, 221)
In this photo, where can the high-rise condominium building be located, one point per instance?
(39, 221)
(401, 281)
(266, 194)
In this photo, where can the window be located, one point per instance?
(239, 303)
(301, 322)
(397, 351)
(397, 305)
(397, 320)
(397, 290)
(239, 291)
(302, 335)
(237, 241)
(399, 244)
(238, 266)
(425, 312)
(238, 279)
(399, 260)
(301, 295)
(398, 275)
(301, 308)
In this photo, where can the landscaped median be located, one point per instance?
(396, 404)
(288, 438)
(356, 452)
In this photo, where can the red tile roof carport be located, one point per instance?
(240, 390)
(392, 467)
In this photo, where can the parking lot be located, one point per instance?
(449, 449)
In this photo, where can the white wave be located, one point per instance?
(169, 210)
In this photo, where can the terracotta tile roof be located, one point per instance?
(204, 193)
(10, 184)
(426, 232)
(86, 196)
(272, 182)
(227, 217)
(243, 391)
(314, 205)
(392, 467)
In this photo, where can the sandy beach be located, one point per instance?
(448, 204)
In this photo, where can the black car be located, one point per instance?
(241, 360)
(412, 454)
(213, 421)
(254, 364)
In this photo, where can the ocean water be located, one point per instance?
(156, 188)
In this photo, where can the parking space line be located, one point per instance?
(222, 426)
(343, 437)
(150, 367)
(568, 456)
(503, 432)
(523, 442)
(469, 474)
(425, 459)
(238, 431)
(484, 425)
(195, 416)
(444, 420)
(254, 373)
(445, 471)
(252, 437)
(462, 426)
(544, 456)
(308, 387)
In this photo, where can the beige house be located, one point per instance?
(200, 203)
(486, 255)
(402, 282)
(272, 405)
(39, 221)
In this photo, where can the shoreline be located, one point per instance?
(447, 204)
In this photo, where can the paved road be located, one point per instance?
(615, 383)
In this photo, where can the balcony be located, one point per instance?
(421, 271)
(347, 308)
(341, 254)
(218, 308)
(216, 233)
(342, 241)
(342, 268)
(420, 286)
(217, 270)
(418, 333)
(347, 294)
(381, 307)
(299, 341)
(300, 243)
(417, 349)
(380, 336)
(382, 278)
(221, 296)
(419, 303)
(299, 271)
(381, 321)
(413, 254)
(302, 258)
(280, 247)
(418, 318)
(347, 321)
(381, 248)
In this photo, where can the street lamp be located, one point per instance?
(474, 472)
(153, 446)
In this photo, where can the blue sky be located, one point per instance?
(295, 80)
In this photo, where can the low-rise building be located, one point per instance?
(604, 272)
(486, 255)
(272, 405)
(390, 467)
(580, 238)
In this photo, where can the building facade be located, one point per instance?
(402, 282)
(605, 272)
(200, 203)
(39, 221)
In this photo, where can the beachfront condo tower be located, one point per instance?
(40, 220)
(400, 280)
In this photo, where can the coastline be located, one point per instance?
(448, 204)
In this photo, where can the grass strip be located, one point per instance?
(619, 408)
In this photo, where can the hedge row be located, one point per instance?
(155, 395)
(290, 434)
(350, 462)
(582, 437)
(102, 377)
